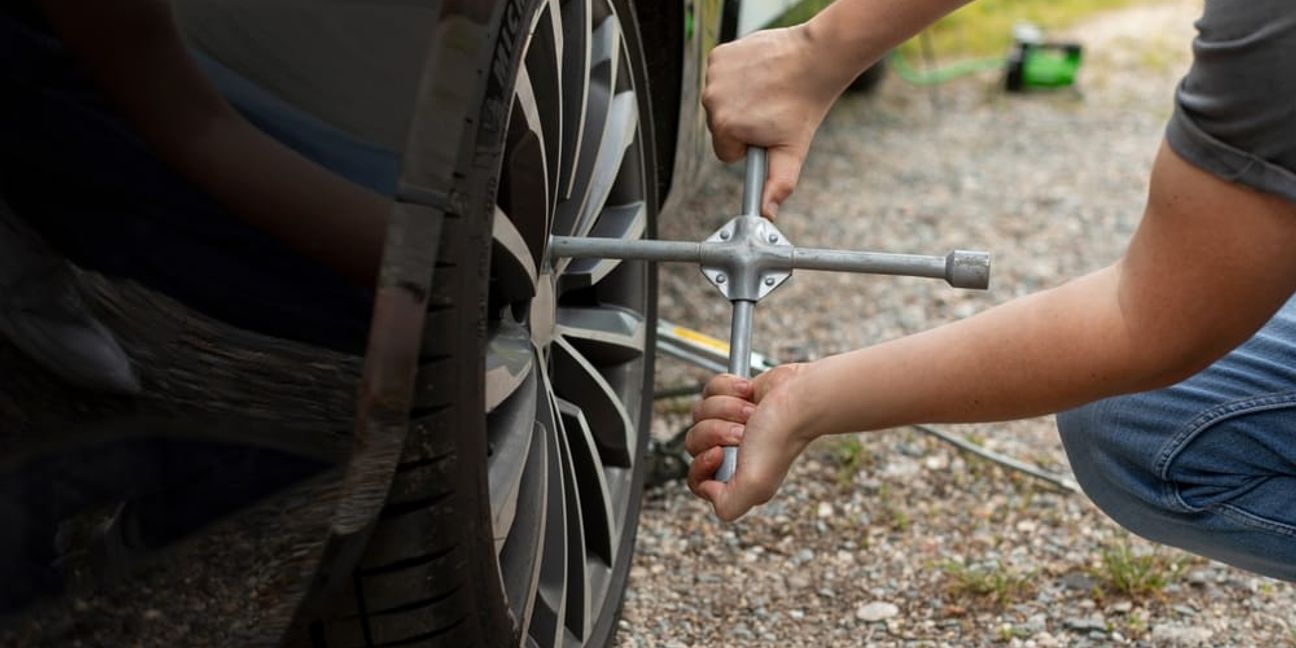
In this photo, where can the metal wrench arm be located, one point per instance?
(959, 268)
(577, 247)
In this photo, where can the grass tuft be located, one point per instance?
(851, 456)
(998, 584)
(1123, 571)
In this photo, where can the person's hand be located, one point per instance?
(771, 89)
(761, 418)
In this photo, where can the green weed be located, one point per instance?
(851, 456)
(1137, 574)
(999, 584)
(1136, 625)
(899, 518)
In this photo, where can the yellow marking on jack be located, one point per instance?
(702, 339)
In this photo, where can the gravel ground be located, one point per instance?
(893, 538)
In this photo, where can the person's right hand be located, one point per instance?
(771, 89)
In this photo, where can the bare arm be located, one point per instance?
(134, 51)
(773, 88)
(1210, 263)
(859, 32)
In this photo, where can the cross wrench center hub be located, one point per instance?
(747, 258)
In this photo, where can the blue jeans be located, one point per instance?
(1207, 465)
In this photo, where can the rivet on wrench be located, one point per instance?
(724, 235)
(769, 281)
(773, 238)
(720, 278)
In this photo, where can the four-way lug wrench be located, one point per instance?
(749, 257)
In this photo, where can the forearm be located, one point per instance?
(853, 34)
(1036, 355)
(1209, 265)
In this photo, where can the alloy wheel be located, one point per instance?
(568, 342)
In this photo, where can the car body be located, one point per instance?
(214, 172)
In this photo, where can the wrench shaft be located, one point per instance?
(579, 247)
(754, 181)
(740, 336)
(961, 269)
(913, 265)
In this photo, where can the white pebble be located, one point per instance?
(876, 611)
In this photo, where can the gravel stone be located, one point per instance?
(1045, 640)
(876, 611)
(1086, 625)
(1199, 577)
(1078, 581)
(1177, 635)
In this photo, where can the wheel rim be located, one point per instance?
(566, 344)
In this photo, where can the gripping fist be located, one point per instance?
(768, 90)
(761, 418)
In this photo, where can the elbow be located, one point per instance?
(1164, 355)
(1175, 369)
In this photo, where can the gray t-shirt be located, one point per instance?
(1235, 110)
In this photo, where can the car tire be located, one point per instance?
(492, 534)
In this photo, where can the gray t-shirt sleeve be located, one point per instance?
(1235, 110)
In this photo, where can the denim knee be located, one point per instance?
(1102, 444)
(1208, 479)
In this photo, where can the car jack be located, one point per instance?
(748, 257)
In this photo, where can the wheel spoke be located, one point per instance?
(543, 59)
(523, 547)
(510, 432)
(550, 611)
(595, 498)
(624, 222)
(576, 56)
(575, 379)
(535, 123)
(577, 621)
(524, 193)
(512, 264)
(603, 335)
(605, 53)
(619, 133)
(510, 359)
